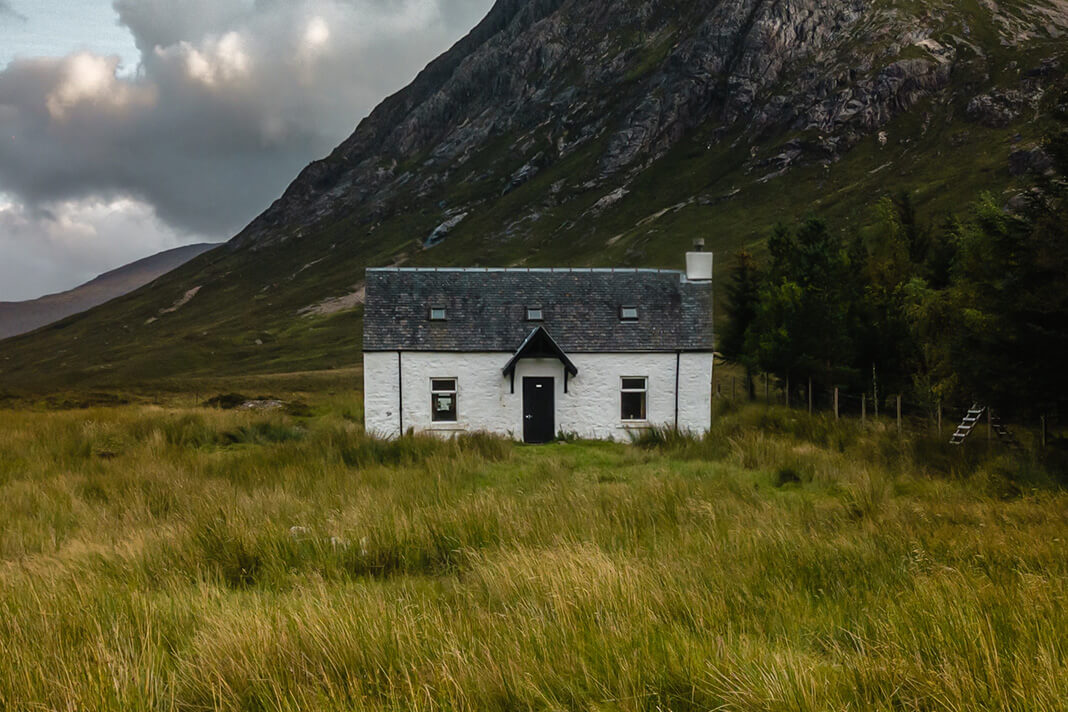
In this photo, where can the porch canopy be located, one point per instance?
(539, 344)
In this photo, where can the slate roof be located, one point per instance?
(486, 309)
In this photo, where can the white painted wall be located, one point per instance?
(590, 408)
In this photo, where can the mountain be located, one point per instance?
(580, 132)
(21, 317)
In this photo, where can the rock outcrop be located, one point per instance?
(635, 77)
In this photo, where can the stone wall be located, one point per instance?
(590, 408)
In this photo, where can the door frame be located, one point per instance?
(530, 433)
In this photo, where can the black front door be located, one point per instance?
(539, 410)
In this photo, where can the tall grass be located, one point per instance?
(201, 559)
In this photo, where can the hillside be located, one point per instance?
(589, 132)
(21, 317)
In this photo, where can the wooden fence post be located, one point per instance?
(836, 403)
(863, 407)
(810, 395)
(899, 414)
(875, 390)
(939, 417)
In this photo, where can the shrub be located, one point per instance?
(262, 433)
(680, 443)
(226, 401)
(787, 475)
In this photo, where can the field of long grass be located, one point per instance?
(196, 559)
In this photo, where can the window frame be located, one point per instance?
(643, 391)
(444, 314)
(454, 392)
(540, 314)
(623, 317)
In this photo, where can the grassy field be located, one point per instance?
(181, 558)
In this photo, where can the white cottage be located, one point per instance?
(530, 353)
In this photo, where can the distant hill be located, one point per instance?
(597, 133)
(21, 317)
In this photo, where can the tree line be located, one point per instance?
(973, 307)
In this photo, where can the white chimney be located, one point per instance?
(699, 263)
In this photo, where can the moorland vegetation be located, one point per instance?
(183, 557)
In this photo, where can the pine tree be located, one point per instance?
(802, 325)
(893, 250)
(1012, 295)
(743, 296)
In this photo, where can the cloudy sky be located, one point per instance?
(133, 126)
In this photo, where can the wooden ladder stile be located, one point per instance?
(967, 424)
(1005, 435)
(973, 417)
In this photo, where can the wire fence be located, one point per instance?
(933, 418)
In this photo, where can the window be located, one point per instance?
(632, 398)
(534, 314)
(443, 400)
(628, 313)
(437, 313)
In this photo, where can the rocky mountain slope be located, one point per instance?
(21, 317)
(577, 132)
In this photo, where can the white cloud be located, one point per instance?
(316, 35)
(86, 78)
(231, 99)
(219, 62)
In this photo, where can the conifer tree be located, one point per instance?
(801, 329)
(743, 297)
(1011, 292)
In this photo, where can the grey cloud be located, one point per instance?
(231, 99)
(9, 13)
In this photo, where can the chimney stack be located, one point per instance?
(699, 263)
